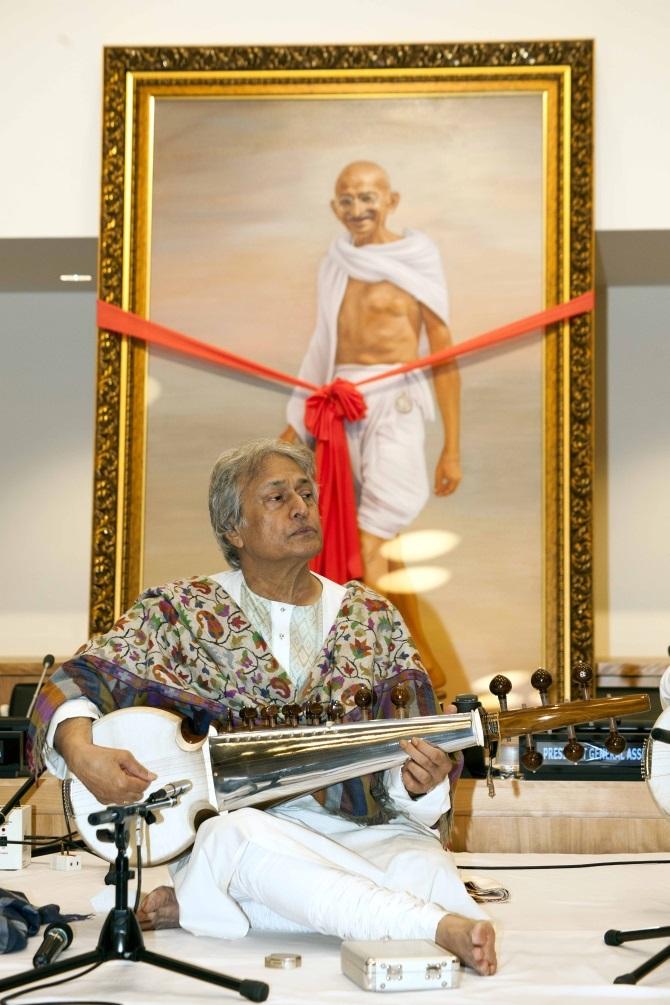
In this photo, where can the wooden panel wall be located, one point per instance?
(552, 816)
(17, 671)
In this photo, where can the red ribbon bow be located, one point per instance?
(325, 414)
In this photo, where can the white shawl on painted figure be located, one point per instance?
(412, 263)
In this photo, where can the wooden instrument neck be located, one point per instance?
(516, 722)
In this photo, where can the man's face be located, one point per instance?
(362, 203)
(280, 516)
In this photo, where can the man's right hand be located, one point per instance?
(113, 776)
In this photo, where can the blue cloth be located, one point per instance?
(20, 919)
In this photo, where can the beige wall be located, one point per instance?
(50, 79)
(632, 487)
(50, 72)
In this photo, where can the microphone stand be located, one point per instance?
(616, 938)
(121, 936)
(613, 937)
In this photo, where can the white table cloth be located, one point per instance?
(550, 940)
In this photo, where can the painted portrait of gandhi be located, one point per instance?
(238, 242)
(382, 301)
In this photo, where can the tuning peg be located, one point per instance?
(248, 716)
(582, 675)
(335, 711)
(531, 759)
(363, 699)
(573, 749)
(292, 713)
(615, 742)
(501, 686)
(269, 715)
(542, 680)
(229, 726)
(399, 699)
(314, 711)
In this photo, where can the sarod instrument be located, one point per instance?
(656, 761)
(253, 767)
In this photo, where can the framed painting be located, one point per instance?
(219, 167)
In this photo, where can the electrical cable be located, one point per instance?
(69, 823)
(138, 868)
(47, 844)
(53, 984)
(572, 865)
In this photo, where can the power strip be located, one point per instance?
(66, 863)
(17, 827)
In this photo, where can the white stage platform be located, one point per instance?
(550, 940)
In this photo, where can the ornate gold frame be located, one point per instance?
(135, 78)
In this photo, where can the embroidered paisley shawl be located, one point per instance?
(189, 648)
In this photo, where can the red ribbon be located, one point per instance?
(561, 312)
(328, 409)
(325, 415)
(114, 319)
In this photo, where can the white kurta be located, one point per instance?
(298, 867)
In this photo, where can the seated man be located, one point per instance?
(364, 860)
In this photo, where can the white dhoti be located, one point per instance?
(386, 449)
(298, 868)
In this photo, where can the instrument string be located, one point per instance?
(192, 769)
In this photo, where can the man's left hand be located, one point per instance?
(426, 766)
(447, 475)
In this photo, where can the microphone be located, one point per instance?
(111, 815)
(167, 796)
(660, 734)
(47, 664)
(171, 790)
(57, 937)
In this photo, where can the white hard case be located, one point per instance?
(399, 965)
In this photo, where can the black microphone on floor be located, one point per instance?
(57, 937)
(660, 734)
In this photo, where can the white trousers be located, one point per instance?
(298, 868)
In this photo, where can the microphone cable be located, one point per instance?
(47, 844)
(566, 865)
(52, 984)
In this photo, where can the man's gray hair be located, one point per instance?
(232, 473)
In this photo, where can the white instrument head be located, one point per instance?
(656, 764)
(154, 738)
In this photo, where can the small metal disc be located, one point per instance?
(283, 961)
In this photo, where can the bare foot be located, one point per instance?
(472, 941)
(159, 909)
